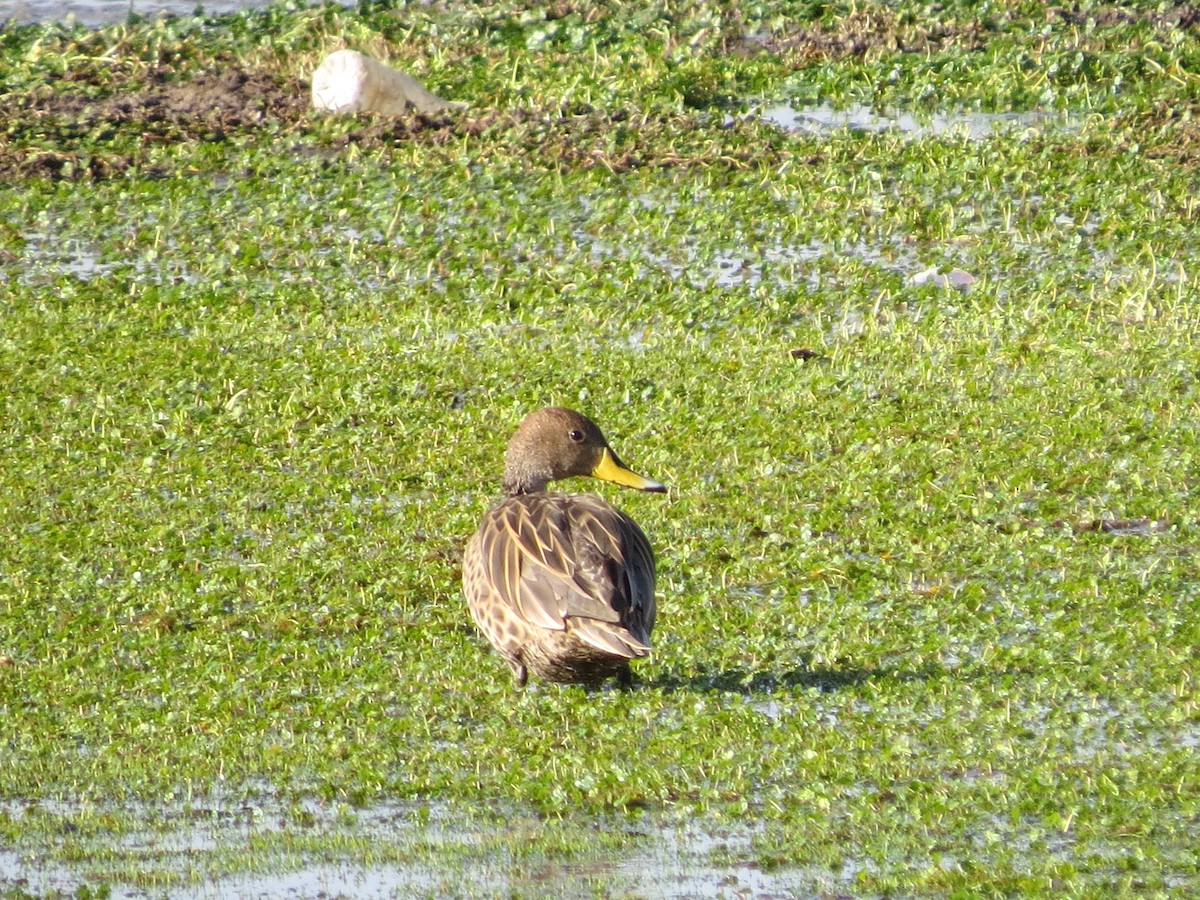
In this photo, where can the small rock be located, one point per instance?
(349, 82)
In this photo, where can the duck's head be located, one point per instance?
(554, 443)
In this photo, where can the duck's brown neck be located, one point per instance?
(517, 483)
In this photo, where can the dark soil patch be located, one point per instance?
(860, 34)
(876, 30)
(1184, 15)
(84, 131)
(214, 104)
(232, 99)
(621, 140)
(73, 135)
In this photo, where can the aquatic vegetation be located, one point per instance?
(926, 576)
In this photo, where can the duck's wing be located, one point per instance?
(560, 557)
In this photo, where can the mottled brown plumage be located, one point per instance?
(562, 584)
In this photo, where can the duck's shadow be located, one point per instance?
(747, 681)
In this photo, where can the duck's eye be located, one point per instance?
(576, 436)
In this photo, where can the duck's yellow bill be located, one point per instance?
(612, 469)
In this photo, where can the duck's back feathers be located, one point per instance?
(563, 584)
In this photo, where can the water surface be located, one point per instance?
(307, 848)
(977, 126)
(95, 13)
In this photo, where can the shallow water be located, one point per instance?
(309, 849)
(94, 13)
(45, 258)
(975, 126)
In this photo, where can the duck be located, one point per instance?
(562, 584)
